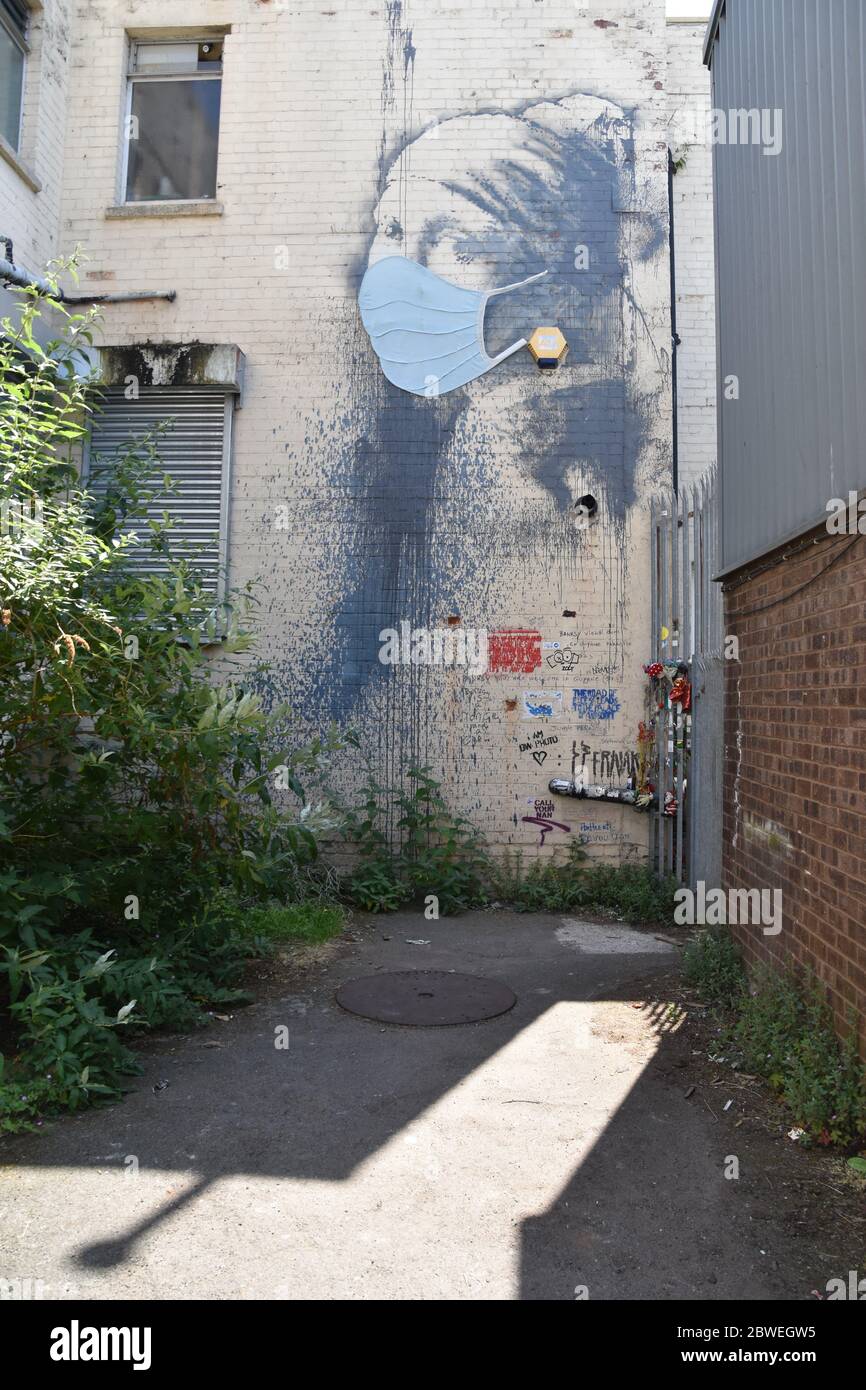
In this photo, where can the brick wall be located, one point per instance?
(795, 761)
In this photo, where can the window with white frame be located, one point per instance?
(172, 120)
(191, 431)
(13, 56)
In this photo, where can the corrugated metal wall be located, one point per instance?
(791, 288)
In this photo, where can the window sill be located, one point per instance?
(19, 166)
(205, 207)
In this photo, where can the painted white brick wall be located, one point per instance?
(689, 97)
(320, 167)
(30, 216)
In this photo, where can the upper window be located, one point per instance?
(173, 117)
(13, 51)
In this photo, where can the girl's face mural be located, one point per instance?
(463, 503)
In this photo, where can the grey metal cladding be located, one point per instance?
(791, 269)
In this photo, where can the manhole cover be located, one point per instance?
(425, 998)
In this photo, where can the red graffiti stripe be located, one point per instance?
(516, 650)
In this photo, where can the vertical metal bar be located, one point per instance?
(687, 645)
(689, 656)
(718, 633)
(679, 753)
(668, 718)
(654, 595)
(705, 571)
(699, 570)
(675, 580)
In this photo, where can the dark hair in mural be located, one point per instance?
(442, 492)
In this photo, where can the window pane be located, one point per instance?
(158, 57)
(174, 152)
(11, 79)
(204, 55)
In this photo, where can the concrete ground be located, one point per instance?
(535, 1156)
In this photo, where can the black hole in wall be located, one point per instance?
(588, 503)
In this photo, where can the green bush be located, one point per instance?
(781, 1029)
(547, 885)
(136, 788)
(786, 1034)
(633, 892)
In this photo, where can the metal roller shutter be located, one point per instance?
(193, 450)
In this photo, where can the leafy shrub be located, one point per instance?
(713, 965)
(376, 886)
(633, 892)
(437, 852)
(442, 853)
(136, 788)
(786, 1034)
(782, 1030)
(73, 1050)
(547, 885)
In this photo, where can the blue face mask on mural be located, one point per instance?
(427, 333)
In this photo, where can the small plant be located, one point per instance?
(376, 887)
(632, 892)
(547, 885)
(442, 853)
(713, 965)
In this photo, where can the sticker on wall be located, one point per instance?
(427, 333)
(542, 704)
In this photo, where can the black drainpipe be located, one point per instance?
(675, 337)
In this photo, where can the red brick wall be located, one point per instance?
(795, 761)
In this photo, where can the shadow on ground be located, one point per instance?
(536, 1155)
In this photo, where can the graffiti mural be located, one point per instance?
(595, 704)
(538, 745)
(545, 824)
(414, 505)
(514, 650)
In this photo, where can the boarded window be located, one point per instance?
(194, 449)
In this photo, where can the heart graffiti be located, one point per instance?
(540, 756)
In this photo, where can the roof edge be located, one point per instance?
(712, 30)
